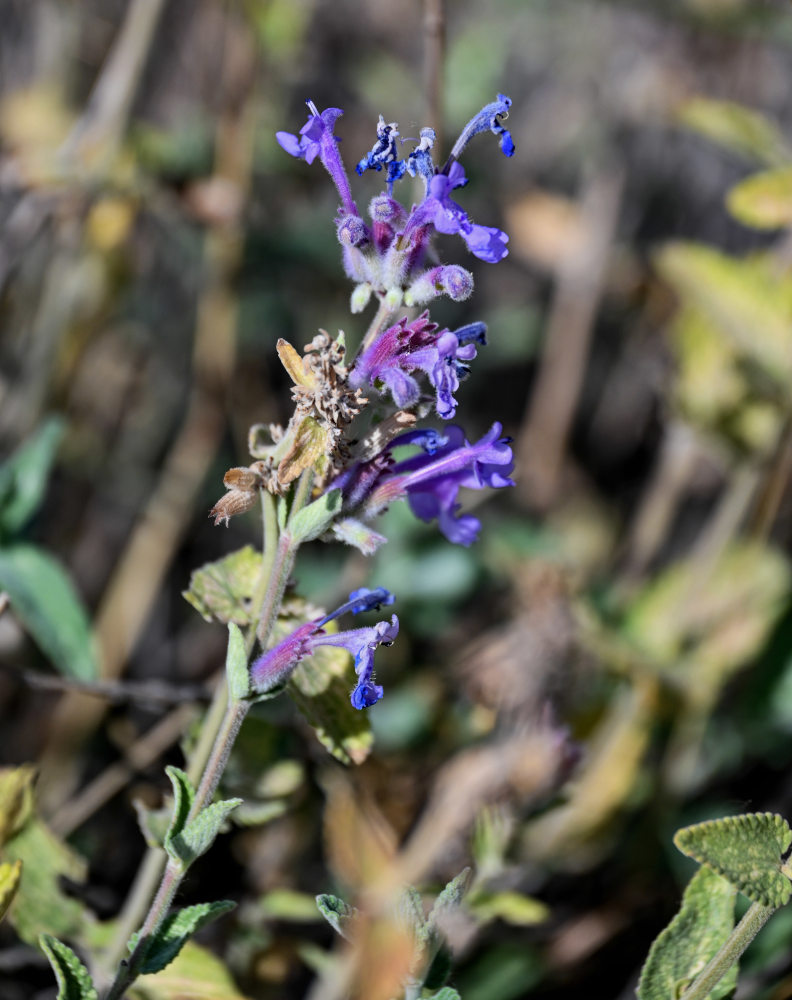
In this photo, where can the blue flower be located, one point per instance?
(275, 666)
(316, 139)
(489, 118)
(408, 347)
(384, 153)
(431, 483)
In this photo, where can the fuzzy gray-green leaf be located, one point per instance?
(449, 899)
(747, 850)
(314, 520)
(199, 834)
(447, 993)
(411, 914)
(337, 913)
(74, 983)
(176, 930)
(183, 798)
(693, 937)
(237, 673)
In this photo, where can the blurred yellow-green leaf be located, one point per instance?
(195, 974)
(9, 883)
(511, 907)
(763, 201)
(737, 127)
(221, 591)
(16, 799)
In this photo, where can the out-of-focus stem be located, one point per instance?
(434, 65)
(378, 324)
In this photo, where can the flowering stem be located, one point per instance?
(277, 563)
(379, 322)
(756, 916)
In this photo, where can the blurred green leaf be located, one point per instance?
(47, 604)
(41, 906)
(748, 299)
(10, 875)
(74, 983)
(506, 971)
(410, 913)
(511, 907)
(763, 201)
(16, 799)
(714, 616)
(695, 935)
(746, 850)
(449, 899)
(222, 591)
(287, 904)
(446, 993)
(195, 974)
(23, 477)
(738, 128)
(175, 932)
(337, 913)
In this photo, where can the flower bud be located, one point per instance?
(352, 231)
(386, 209)
(457, 282)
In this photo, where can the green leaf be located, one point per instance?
(746, 850)
(737, 128)
(314, 520)
(41, 904)
(46, 603)
(439, 970)
(223, 591)
(74, 983)
(763, 201)
(195, 974)
(23, 478)
(320, 686)
(449, 899)
(512, 907)
(183, 798)
(176, 930)
(747, 300)
(154, 823)
(695, 935)
(337, 913)
(447, 993)
(10, 875)
(199, 834)
(359, 535)
(16, 799)
(287, 904)
(410, 912)
(237, 673)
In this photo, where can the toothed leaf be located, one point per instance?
(746, 850)
(199, 834)
(176, 930)
(74, 983)
(693, 937)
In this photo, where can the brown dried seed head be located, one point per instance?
(247, 480)
(233, 503)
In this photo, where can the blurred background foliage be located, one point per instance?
(611, 661)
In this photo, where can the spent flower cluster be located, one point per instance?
(356, 430)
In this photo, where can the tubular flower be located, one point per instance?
(316, 139)
(431, 482)
(408, 347)
(275, 666)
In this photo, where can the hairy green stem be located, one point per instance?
(756, 916)
(277, 564)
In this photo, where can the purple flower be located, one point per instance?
(438, 209)
(408, 347)
(275, 666)
(489, 118)
(431, 483)
(316, 139)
